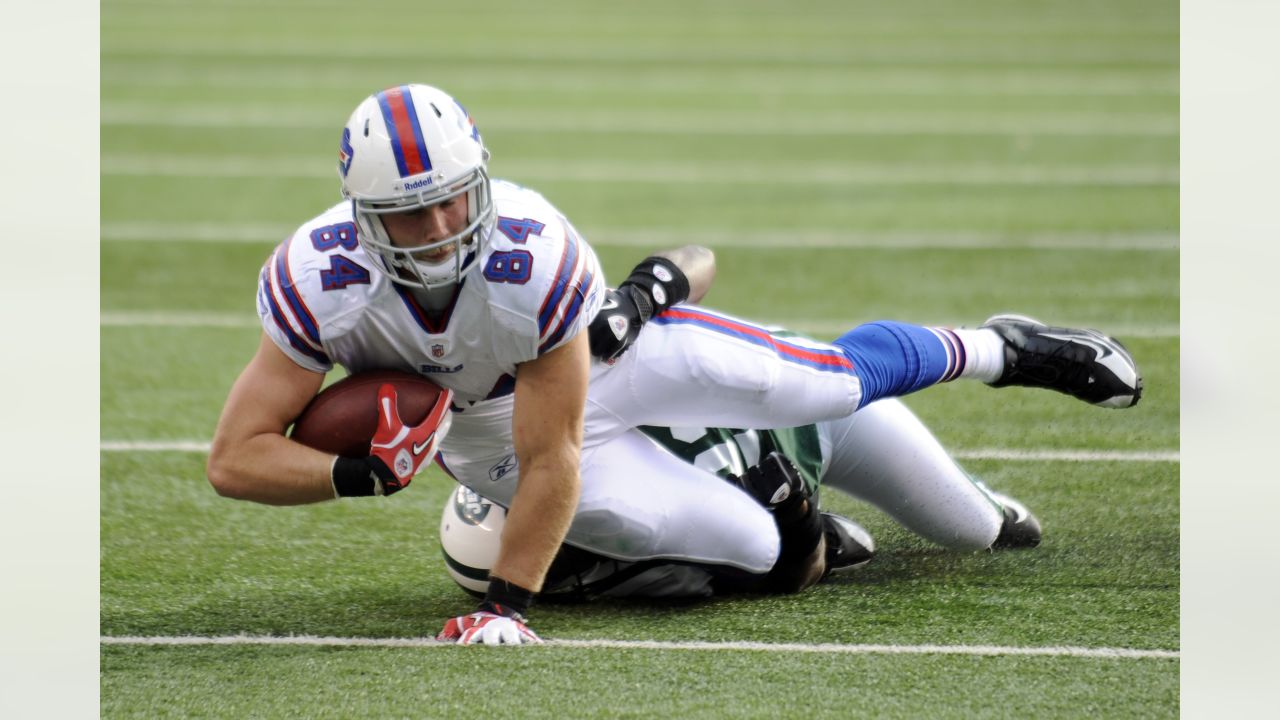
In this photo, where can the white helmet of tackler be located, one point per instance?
(470, 533)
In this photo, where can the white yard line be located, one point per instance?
(817, 328)
(1159, 456)
(985, 650)
(178, 320)
(241, 116)
(182, 446)
(1030, 454)
(651, 237)
(718, 173)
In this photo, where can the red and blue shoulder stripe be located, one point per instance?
(574, 282)
(288, 309)
(564, 273)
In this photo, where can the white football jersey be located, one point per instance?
(537, 284)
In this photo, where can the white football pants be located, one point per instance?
(702, 368)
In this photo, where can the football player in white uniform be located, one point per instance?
(428, 267)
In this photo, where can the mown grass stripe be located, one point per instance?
(243, 115)
(632, 237)
(1160, 456)
(831, 328)
(1037, 454)
(983, 650)
(588, 80)
(931, 53)
(665, 173)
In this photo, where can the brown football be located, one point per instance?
(342, 418)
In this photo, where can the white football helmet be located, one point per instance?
(410, 147)
(470, 534)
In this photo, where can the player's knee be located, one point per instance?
(760, 553)
(750, 542)
(756, 541)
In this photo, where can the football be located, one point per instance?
(342, 418)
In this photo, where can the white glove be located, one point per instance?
(486, 628)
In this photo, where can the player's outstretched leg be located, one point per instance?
(1081, 363)
(894, 359)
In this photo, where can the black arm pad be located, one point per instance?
(661, 284)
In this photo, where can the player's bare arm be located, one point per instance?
(699, 266)
(547, 428)
(251, 459)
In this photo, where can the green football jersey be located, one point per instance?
(726, 451)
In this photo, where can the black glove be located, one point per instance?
(616, 326)
(653, 286)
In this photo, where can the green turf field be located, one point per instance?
(928, 161)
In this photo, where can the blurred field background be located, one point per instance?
(926, 161)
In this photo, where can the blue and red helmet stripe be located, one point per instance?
(407, 143)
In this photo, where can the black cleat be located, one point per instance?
(849, 545)
(1084, 364)
(1021, 529)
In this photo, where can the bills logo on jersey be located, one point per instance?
(426, 369)
(345, 152)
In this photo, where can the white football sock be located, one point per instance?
(984, 353)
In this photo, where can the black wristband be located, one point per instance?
(662, 283)
(506, 598)
(356, 477)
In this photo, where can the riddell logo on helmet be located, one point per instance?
(418, 183)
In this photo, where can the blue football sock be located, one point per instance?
(894, 359)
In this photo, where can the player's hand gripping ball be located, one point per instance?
(343, 418)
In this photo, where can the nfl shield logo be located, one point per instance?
(437, 350)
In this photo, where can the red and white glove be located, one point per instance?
(488, 628)
(403, 449)
(397, 451)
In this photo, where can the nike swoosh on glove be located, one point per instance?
(403, 449)
(486, 628)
